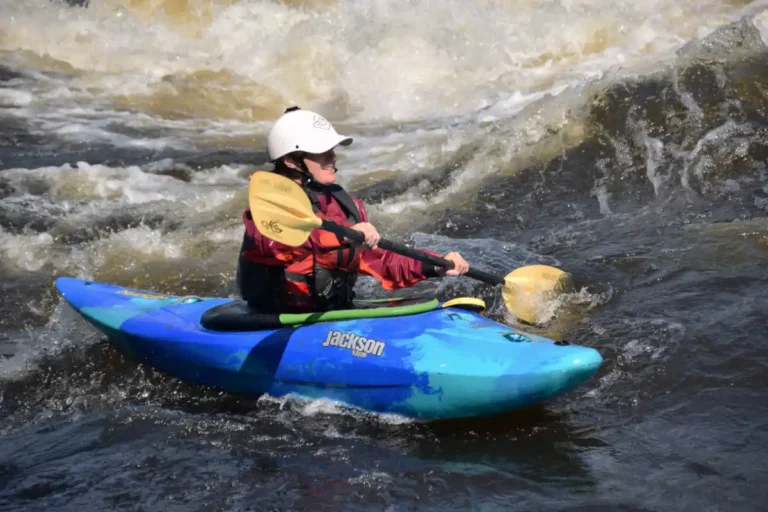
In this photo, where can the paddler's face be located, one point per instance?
(322, 166)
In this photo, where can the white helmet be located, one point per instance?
(302, 130)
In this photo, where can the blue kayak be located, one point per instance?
(430, 360)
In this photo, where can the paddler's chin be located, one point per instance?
(324, 176)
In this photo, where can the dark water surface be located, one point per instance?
(651, 188)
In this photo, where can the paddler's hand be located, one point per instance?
(372, 236)
(460, 265)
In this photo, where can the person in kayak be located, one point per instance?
(320, 274)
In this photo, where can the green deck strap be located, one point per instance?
(354, 314)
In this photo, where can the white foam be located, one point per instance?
(514, 103)
(365, 59)
(654, 148)
(761, 22)
(298, 405)
(127, 185)
(64, 329)
(378, 67)
(144, 240)
(14, 98)
(221, 176)
(31, 252)
(28, 253)
(231, 234)
(131, 185)
(92, 132)
(372, 479)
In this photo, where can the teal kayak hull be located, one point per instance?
(444, 363)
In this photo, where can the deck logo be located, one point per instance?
(143, 295)
(359, 345)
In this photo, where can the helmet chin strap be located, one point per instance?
(300, 170)
(306, 177)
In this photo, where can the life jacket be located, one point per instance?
(321, 283)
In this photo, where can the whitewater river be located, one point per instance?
(624, 141)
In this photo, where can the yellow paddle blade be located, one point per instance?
(527, 289)
(280, 209)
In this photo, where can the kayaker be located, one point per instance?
(319, 275)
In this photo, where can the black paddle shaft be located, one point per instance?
(416, 254)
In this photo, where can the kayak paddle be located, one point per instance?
(282, 211)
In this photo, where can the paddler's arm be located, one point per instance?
(395, 271)
(392, 270)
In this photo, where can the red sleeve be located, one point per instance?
(392, 270)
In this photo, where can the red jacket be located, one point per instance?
(392, 270)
